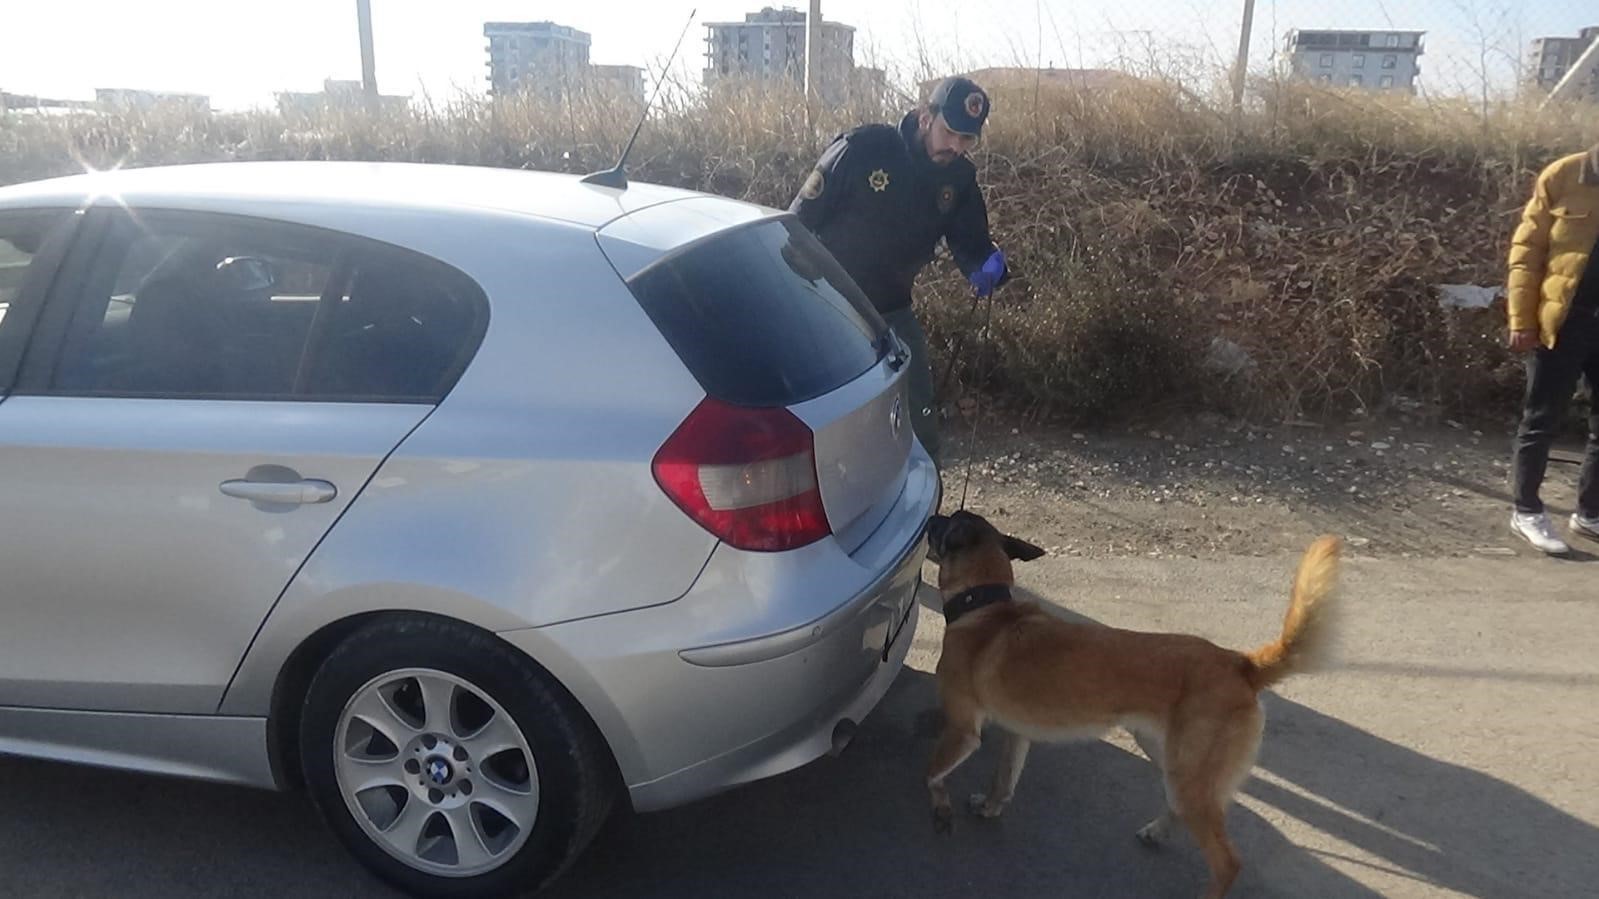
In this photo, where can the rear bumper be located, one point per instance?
(817, 731)
(754, 671)
(883, 627)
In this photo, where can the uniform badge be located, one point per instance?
(946, 198)
(878, 181)
(813, 185)
(974, 105)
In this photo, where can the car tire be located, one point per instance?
(450, 764)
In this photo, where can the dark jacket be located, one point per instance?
(880, 205)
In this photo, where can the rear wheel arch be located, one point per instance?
(294, 680)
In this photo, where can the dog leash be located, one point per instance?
(983, 338)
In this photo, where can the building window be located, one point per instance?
(1390, 61)
(1356, 81)
(1393, 40)
(1326, 60)
(1386, 82)
(1360, 60)
(1326, 79)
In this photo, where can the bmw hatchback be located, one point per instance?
(474, 502)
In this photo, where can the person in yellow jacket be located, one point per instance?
(1554, 318)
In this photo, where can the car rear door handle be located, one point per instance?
(290, 492)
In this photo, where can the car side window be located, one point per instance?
(403, 330)
(22, 234)
(178, 306)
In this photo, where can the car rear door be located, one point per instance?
(203, 398)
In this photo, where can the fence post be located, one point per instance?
(369, 78)
(1241, 69)
(813, 58)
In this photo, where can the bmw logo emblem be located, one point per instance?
(439, 771)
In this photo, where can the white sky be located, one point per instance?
(240, 53)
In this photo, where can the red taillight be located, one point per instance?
(746, 475)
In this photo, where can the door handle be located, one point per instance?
(289, 493)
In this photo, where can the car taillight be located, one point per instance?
(746, 475)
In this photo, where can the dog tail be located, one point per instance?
(1308, 626)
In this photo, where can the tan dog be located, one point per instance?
(1192, 706)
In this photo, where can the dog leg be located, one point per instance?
(1156, 832)
(1013, 755)
(1204, 792)
(1206, 816)
(960, 739)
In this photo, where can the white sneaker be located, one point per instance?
(1537, 530)
(1586, 525)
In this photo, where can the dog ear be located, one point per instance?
(1021, 550)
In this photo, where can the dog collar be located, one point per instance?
(971, 600)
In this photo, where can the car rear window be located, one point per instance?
(762, 314)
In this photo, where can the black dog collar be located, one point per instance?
(971, 600)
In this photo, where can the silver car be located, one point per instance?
(476, 502)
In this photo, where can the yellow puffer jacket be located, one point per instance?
(1552, 244)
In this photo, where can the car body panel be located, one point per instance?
(523, 503)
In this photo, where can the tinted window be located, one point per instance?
(403, 329)
(22, 234)
(174, 308)
(763, 315)
(202, 307)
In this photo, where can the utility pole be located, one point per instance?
(1241, 71)
(1581, 70)
(813, 58)
(369, 78)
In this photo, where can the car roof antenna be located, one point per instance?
(617, 176)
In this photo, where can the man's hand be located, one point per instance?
(985, 279)
(1523, 341)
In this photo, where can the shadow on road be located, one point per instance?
(856, 825)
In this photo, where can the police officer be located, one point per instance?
(880, 198)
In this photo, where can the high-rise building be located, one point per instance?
(771, 44)
(1552, 58)
(1372, 60)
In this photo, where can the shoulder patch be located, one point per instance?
(813, 186)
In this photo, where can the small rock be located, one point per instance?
(1359, 541)
(1380, 446)
(1495, 551)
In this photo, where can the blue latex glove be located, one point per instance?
(985, 279)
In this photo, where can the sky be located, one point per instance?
(240, 53)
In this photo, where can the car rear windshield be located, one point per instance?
(762, 314)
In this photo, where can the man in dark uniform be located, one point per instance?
(880, 198)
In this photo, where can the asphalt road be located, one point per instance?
(1451, 754)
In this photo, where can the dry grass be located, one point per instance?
(1144, 224)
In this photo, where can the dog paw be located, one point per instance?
(980, 806)
(943, 820)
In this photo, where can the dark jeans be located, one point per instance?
(1552, 377)
(924, 406)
